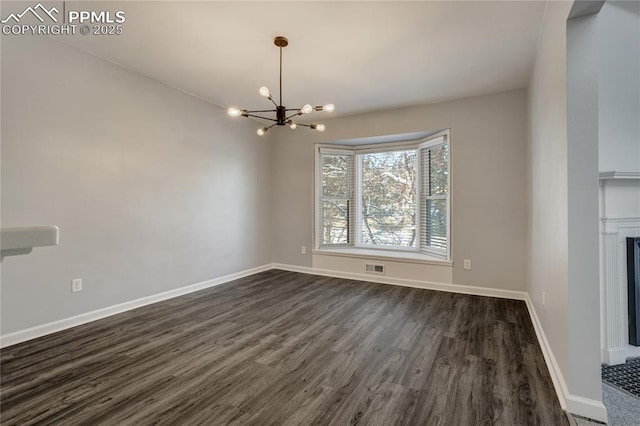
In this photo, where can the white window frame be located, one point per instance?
(356, 198)
(430, 142)
(330, 150)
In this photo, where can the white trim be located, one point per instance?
(317, 238)
(383, 139)
(619, 175)
(386, 147)
(417, 164)
(379, 254)
(356, 195)
(55, 326)
(432, 141)
(330, 146)
(377, 147)
(441, 138)
(427, 285)
(619, 355)
(620, 219)
(63, 324)
(552, 365)
(319, 196)
(336, 151)
(585, 407)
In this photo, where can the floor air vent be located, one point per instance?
(374, 269)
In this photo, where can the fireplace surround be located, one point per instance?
(620, 219)
(633, 289)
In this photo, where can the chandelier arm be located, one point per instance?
(264, 118)
(305, 125)
(274, 102)
(262, 110)
(291, 116)
(271, 126)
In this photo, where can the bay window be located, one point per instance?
(391, 197)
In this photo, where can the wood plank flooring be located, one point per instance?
(282, 348)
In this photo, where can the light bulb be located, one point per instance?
(262, 131)
(306, 109)
(329, 107)
(293, 125)
(320, 127)
(234, 112)
(264, 91)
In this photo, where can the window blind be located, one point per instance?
(335, 202)
(434, 205)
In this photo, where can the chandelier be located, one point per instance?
(283, 115)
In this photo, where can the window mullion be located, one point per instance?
(418, 201)
(357, 196)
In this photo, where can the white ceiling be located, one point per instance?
(361, 56)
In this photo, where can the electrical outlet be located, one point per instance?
(467, 264)
(303, 250)
(544, 298)
(76, 285)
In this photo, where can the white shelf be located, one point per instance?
(619, 175)
(15, 241)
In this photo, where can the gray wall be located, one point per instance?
(547, 183)
(152, 189)
(562, 223)
(583, 377)
(488, 143)
(619, 86)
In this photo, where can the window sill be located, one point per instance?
(392, 255)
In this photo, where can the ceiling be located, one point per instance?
(361, 56)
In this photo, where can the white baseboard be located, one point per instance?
(55, 326)
(585, 407)
(427, 285)
(614, 356)
(52, 327)
(552, 365)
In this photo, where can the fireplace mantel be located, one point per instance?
(604, 176)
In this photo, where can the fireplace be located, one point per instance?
(633, 292)
(620, 288)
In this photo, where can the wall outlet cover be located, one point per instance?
(76, 285)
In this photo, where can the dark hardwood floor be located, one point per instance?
(287, 348)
